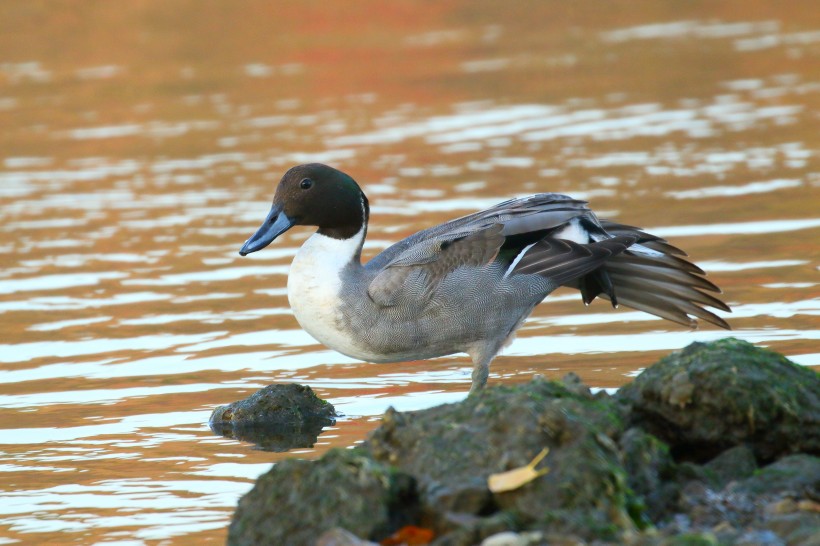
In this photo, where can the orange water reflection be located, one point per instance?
(141, 142)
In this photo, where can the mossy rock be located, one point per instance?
(795, 476)
(651, 472)
(296, 501)
(451, 450)
(276, 418)
(712, 396)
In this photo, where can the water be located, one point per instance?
(141, 144)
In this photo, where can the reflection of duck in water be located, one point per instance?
(468, 284)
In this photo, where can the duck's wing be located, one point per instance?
(518, 216)
(559, 238)
(410, 270)
(415, 273)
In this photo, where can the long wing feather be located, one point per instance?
(652, 276)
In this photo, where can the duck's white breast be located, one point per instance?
(314, 287)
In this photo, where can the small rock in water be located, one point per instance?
(276, 418)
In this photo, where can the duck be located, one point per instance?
(467, 285)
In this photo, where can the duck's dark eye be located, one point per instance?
(306, 183)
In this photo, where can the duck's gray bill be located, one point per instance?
(274, 225)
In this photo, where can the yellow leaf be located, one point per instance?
(515, 478)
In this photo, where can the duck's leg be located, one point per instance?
(481, 370)
(481, 356)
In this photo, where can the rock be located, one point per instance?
(796, 477)
(340, 537)
(508, 538)
(572, 382)
(650, 472)
(276, 418)
(297, 501)
(701, 449)
(461, 529)
(734, 464)
(764, 508)
(796, 529)
(452, 449)
(712, 396)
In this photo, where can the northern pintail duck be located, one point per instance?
(466, 285)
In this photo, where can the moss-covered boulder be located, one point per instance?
(774, 505)
(651, 473)
(451, 450)
(296, 501)
(712, 396)
(276, 418)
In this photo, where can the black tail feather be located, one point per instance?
(652, 276)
